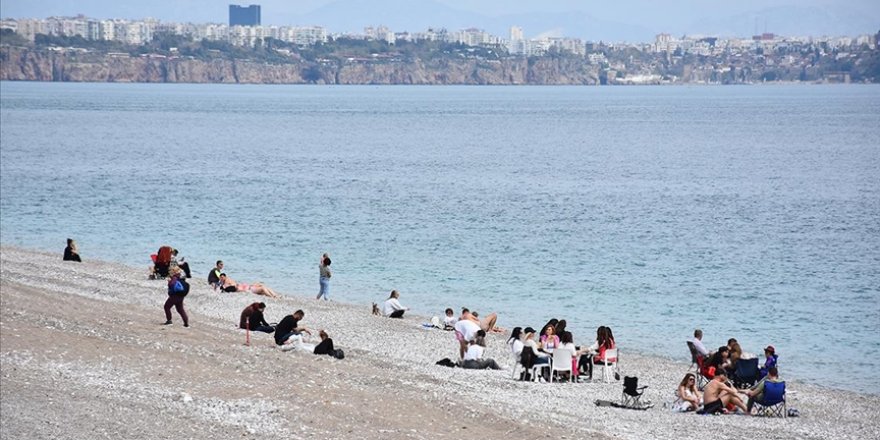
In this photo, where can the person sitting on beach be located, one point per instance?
(756, 393)
(717, 395)
(550, 323)
(473, 358)
(392, 307)
(769, 361)
(515, 342)
(566, 342)
(326, 346)
(734, 354)
(214, 275)
(449, 320)
(179, 262)
(465, 331)
(687, 397)
(698, 343)
(289, 330)
(549, 340)
(252, 318)
(531, 353)
(715, 362)
(71, 253)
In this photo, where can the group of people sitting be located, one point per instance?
(220, 281)
(288, 333)
(719, 395)
(532, 350)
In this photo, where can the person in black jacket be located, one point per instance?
(289, 326)
(252, 317)
(70, 252)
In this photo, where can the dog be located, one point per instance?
(376, 309)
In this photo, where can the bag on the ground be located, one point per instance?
(339, 354)
(446, 362)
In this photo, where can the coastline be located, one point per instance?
(84, 354)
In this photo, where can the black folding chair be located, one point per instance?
(632, 394)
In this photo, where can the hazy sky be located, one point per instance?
(624, 19)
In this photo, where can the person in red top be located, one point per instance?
(252, 317)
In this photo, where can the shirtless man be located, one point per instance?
(718, 394)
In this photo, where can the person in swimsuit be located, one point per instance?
(718, 394)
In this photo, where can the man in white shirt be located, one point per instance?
(465, 331)
(698, 343)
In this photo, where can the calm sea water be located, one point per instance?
(750, 212)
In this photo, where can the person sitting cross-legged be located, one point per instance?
(718, 394)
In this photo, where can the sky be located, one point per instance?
(623, 20)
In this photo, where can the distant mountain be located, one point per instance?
(794, 21)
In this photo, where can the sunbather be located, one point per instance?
(229, 285)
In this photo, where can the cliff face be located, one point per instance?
(17, 64)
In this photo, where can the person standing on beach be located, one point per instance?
(324, 278)
(177, 290)
(70, 252)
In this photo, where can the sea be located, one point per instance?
(749, 212)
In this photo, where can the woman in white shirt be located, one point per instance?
(473, 358)
(687, 397)
(568, 344)
(515, 342)
(392, 307)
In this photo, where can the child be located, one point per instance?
(450, 320)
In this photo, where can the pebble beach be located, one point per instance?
(83, 354)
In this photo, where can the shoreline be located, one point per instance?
(107, 349)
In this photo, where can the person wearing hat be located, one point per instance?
(770, 361)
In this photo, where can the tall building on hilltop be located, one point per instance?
(244, 16)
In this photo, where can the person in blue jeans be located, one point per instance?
(324, 280)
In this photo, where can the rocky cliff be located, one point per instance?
(21, 64)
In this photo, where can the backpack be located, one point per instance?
(339, 354)
(181, 287)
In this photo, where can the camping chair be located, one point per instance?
(695, 357)
(608, 365)
(162, 263)
(746, 373)
(772, 400)
(702, 379)
(561, 362)
(632, 394)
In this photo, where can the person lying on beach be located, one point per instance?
(214, 275)
(718, 394)
(288, 330)
(688, 398)
(392, 307)
(70, 252)
(252, 318)
(487, 324)
(229, 285)
(473, 358)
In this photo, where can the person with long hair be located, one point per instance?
(549, 340)
(515, 342)
(71, 253)
(324, 275)
(566, 341)
(177, 290)
(392, 307)
(688, 398)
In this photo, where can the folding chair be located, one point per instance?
(702, 380)
(772, 400)
(695, 356)
(609, 365)
(746, 373)
(562, 362)
(632, 394)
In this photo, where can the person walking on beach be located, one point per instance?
(177, 290)
(324, 277)
(70, 252)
